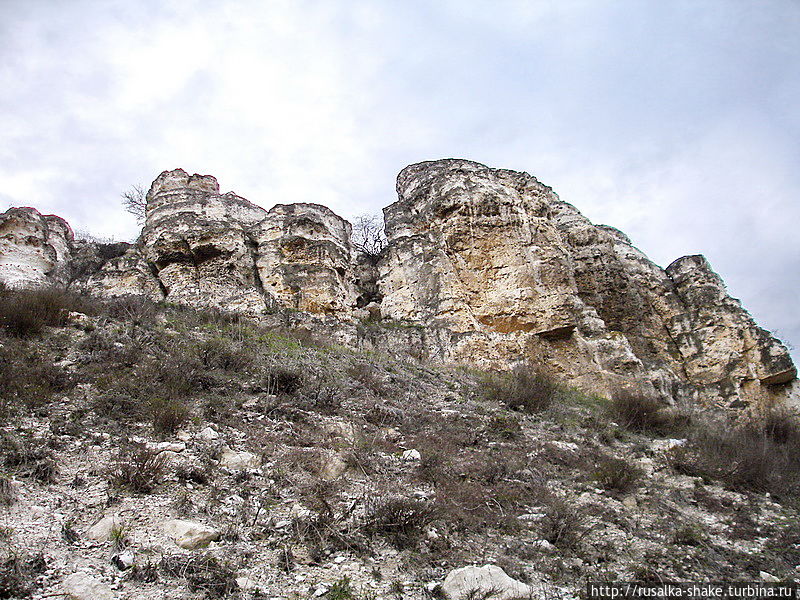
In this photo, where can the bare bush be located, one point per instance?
(762, 456)
(616, 474)
(168, 415)
(399, 519)
(135, 202)
(137, 468)
(25, 313)
(640, 412)
(205, 573)
(564, 525)
(523, 389)
(368, 236)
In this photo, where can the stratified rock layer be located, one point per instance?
(34, 248)
(496, 258)
(483, 266)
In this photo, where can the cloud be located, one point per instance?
(673, 121)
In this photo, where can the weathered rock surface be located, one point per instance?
(34, 248)
(511, 272)
(483, 582)
(485, 266)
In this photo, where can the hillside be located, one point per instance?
(307, 468)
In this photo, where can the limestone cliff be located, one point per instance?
(484, 266)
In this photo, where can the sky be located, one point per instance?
(677, 122)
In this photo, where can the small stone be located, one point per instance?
(768, 577)
(544, 546)
(208, 434)
(80, 586)
(411, 455)
(171, 447)
(320, 590)
(123, 560)
(339, 559)
(246, 583)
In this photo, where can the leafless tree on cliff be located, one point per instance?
(368, 235)
(135, 202)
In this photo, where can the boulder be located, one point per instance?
(238, 460)
(483, 582)
(189, 534)
(104, 528)
(80, 586)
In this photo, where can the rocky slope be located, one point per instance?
(483, 266)
(154, 451)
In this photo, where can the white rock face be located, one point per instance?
(189, 534)
(80, 586)
(485, 266)
(34, 248)
(212, 249)
(508, 272)
(476, 582)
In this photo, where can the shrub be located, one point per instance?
(688, 535)
(28, 379)
(18, 575)
(756, 456)
(204, 573)
(6, 491)
(24, 313)
(282, 380)
(28, 458)
(505, 427)
(522, 389)
(221, 353)
(616, 474)
(400, 520)
(137, 469)
(638, 411)
(563, 525)
(167, 415)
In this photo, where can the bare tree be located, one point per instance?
(368, 235)
(135, 202)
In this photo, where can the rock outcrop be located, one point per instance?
(484, 266)
(35, 249)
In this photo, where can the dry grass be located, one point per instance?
(204, 573)
(137, 469)
(399, 519)
(523, 389)
(761, 456)
(616, 474)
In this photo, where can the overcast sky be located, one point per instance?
(677, 122)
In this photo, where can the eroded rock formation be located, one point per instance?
(484, 266)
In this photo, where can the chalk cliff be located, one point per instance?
(483, 266)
